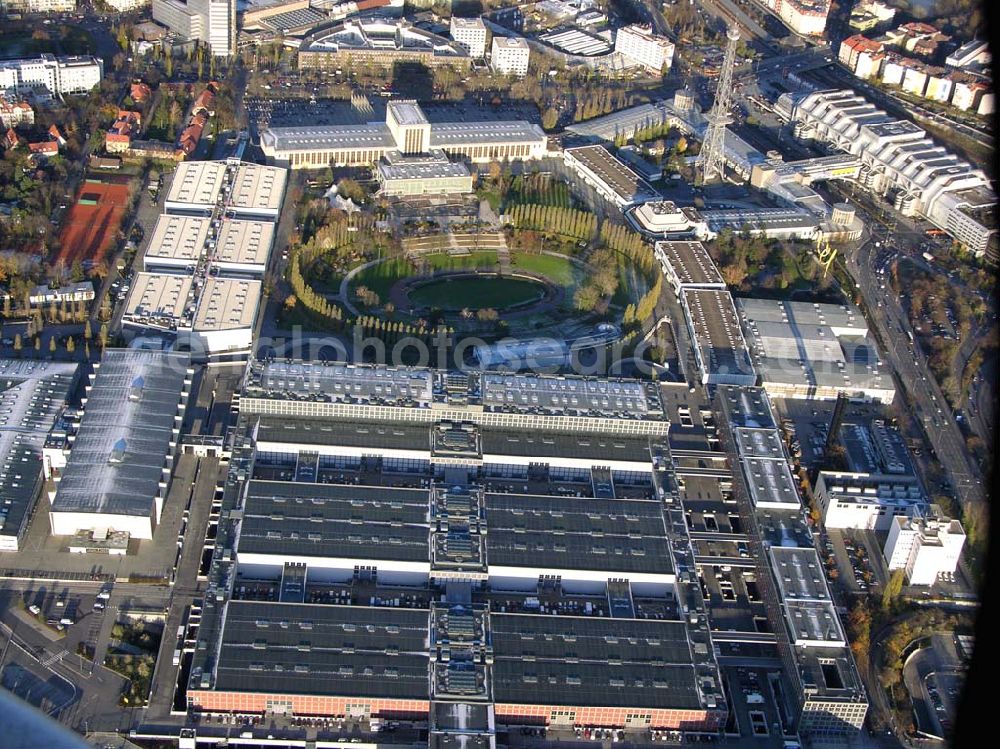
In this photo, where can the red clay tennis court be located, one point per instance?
(91, 223)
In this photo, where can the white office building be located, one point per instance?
(925, 547)
(641, 45)
(509, 55)
(867, 500)
(209, 21)
(470, 34)
(50, 75)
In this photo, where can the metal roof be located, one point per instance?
(116, 410)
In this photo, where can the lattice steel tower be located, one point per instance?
(712, 156)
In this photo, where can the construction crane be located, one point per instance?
(713, 162)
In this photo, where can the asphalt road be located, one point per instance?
(928, 404)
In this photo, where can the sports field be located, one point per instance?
(91, 223)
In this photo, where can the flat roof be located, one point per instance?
(257, 187)
(32, 394)
(836, 316)
(119, 457)
(690, 263)
(197, 183)
(799, 573)
(592, 661)
(178, 238)
(758, 443)
(622, 180)
(244, 242)
(346, 382)
(716, 329)
(381, 435)
(406, 112)
(374, 135)
(468, 23)
(446, 135)
(349, 651)
(227, 304)
(605, 535)
(630, 399)
(556, 445)
(746, 405)
(286, 518)
(423, 169)
(158, 295)
(770, 482)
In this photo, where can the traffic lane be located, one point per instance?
(944, 437)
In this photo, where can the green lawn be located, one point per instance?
(380, 278)
(559, 270)
(461, 262)
(476, 293)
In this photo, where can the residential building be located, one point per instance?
(509, 55)
(118, 138)
(470, 33)
(14, 113)
(918, 38)
(915, 80)
(807, 17)
(639, 44)
(924, 546)
(862, 56)
(987, 104)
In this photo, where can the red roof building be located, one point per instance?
(119, 135)
(44, 149)
(140, 92)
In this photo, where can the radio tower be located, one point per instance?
(712, 156)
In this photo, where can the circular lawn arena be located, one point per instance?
(453, 292)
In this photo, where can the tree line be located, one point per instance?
(554, 220)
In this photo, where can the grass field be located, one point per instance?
(559, 270)
(380, 278)
(476, 292)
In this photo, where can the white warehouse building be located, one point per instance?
(120, 465)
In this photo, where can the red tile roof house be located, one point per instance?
(44, 150)
(57, 136)
(205, 103)
(11, 140)
(119, 135)
(188, 140)
(140, 92)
